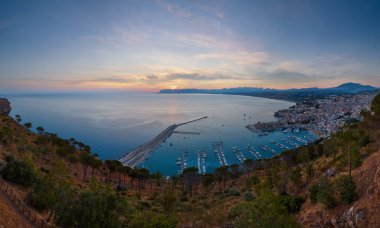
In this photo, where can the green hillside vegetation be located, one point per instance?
(71, 187)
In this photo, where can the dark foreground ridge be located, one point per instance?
(288, 94)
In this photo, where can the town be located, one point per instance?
(322, 116)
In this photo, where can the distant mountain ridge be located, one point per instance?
(287, 94)
(351, 87)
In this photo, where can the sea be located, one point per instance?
(113, 124)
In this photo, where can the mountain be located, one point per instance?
(351, 87)
(287, 94)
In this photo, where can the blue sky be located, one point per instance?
(150, 45)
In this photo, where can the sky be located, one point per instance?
(148, 45)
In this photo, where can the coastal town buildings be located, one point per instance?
(322, 116)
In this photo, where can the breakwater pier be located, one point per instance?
(138, 155)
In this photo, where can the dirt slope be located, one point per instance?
(9, 216)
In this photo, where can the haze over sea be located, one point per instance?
(115, 123)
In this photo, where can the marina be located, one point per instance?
(254, 152)
(201, 161)
(289, 141)
(218, 149)
(282, 146)
(239, 155)
(139, 155)
(299, 139)
(182, 162)
(268, 149)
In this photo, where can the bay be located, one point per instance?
(115, 123)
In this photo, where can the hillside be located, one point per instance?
(363, 212)
(65, 184)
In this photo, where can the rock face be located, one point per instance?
(5, 106)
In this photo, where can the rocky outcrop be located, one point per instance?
(5, 106)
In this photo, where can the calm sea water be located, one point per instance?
(114, 124)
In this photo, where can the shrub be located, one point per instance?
(265, 211)
(323, 192)
(183, 198)
(233, 192)
(98, 207)
(45, 194)
(149, 219)
(19, 172)
(248, 196)
(293, 204)
(313, 192)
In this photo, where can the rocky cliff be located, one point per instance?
(5, 106)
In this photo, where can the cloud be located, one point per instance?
(121, 79)
(239, 57)
(209, 8)
(287, 76)
(175, 9)
(198, 76)
(119, 37)
(151, 77)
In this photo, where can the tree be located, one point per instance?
(133, 175)
(158, 176)
(40, 130)
(113, 166)
(18, 118)
(126, 170)
(72, 158)
(189, 176)
(296, 178)
(85, 159)
(345, 188)
(142, 175)
(265, 211)
(309, 171)
(248, 165)
(222, 173)
(168, 200)
(28, 125)
(174, 179)
(347, 139)
(95, 164)
(235, 171)
(207, 180)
